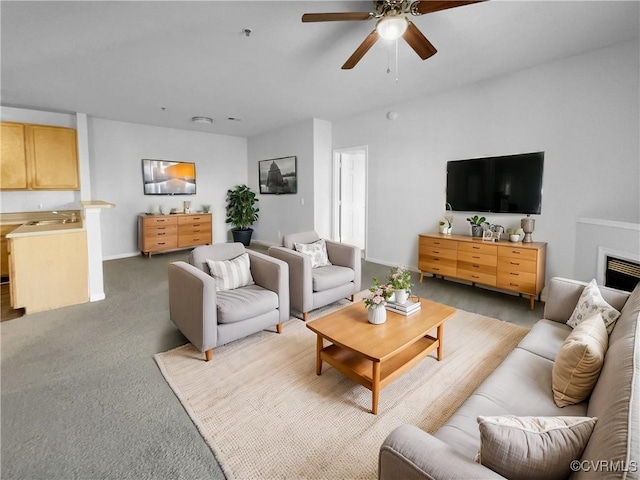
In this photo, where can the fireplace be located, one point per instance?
(617, 269)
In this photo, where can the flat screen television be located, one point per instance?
(164, 177)
(506, 184)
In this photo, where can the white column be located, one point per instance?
(92, 211)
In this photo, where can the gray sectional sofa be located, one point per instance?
(521, 386)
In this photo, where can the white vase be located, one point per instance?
(377, 315)
(401, 296)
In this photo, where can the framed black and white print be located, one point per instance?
(278, 176)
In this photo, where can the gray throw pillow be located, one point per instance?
(531, 448)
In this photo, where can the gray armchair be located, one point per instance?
(210, 318)
(312, 288)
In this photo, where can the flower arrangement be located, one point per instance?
(400, 278)
(379, 294)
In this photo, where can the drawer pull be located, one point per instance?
(515, 251)
(196, 239)
(436, 243)
(196, 224)
(475, 256)
(513, 284)
(161, 234)
(196, 231)
(436, 251)
(161, 243)
(436, 268)
(196, 218)
(436, 259)
(514, 263)
(516, 274)
(476, 248)
(475, 266)
(474, 276)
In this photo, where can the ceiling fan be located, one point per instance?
(392, 24)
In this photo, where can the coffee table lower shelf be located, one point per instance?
(374, 374)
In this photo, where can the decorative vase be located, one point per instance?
(514, 237)
(377, 315)
(401, 296)
(527, 224)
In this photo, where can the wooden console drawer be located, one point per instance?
(159, 244)
(477, 247)
(478, 258)
(160, 231)
(438, 252)
(477, 276)
(445, 267)
(158, 220)
(515, 252)
(507, 265)
(439, 243)
(191, 239)
(195, 219)
(516, 284)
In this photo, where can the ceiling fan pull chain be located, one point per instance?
(397, 63)
(388, 61)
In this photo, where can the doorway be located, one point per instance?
(350, 196)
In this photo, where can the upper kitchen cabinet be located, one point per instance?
(46, 156)
(13, 163)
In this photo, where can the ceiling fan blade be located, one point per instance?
(334, 17)
(361, 50)
(416, 40)
(429, 6)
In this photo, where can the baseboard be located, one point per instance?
(95, 297)
(120, 255)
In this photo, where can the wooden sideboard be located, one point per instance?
(158, 233)
(514, 266)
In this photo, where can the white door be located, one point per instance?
(351, 201)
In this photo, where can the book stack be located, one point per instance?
(406, 308)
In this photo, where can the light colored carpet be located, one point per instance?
(265, 413)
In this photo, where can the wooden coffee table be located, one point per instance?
(375, 355)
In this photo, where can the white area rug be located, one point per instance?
(265, 413)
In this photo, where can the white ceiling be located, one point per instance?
(126, 60)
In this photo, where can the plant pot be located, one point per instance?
(377, 315)
(514, 237)
(242, 236)
(476, 230)
(401, 296)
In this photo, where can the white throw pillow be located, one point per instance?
(533, 447)
(591, 302)
(316, 250)
(579, 361)
(231, 274)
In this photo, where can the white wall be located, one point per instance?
(582, 111)
(116, 150)
(282, 214)
(28, 201)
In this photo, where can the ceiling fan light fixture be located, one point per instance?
(392, 27)
(202, 120)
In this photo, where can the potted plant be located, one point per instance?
(476, 225)
(241, 212)
(376, 300)
(445, 226)
(400, 281)
(514, 234)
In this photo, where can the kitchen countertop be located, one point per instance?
(24, 230)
